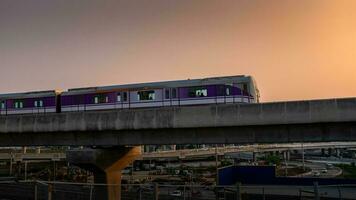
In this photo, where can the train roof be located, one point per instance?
(163, 84)
(26, 95)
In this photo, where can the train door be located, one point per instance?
(220, 93)
(175, 96)
(167, 101)
(79, 103)
(125, 97)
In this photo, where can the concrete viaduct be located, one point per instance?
(280, 122)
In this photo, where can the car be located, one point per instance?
(176, 193)
(316, 173)
(324, 171)
(329, 166)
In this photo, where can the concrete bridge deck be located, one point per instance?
(188, 153)
(279, 122)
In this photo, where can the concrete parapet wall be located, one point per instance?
(221, 115)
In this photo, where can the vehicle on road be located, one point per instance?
(316, 173)
(329, 166)
(176, 193)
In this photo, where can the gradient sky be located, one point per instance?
(296, 49)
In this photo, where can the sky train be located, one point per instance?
(230, 89)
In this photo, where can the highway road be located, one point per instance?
(206, 193)
(317, 169)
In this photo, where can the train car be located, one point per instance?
(231, 89)
(30, 103)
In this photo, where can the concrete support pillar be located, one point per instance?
(106, 164)
(337, 151)
(38, 150)
(24, 149)
(286, 155)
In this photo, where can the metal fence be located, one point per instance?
(39, 190)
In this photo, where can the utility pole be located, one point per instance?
(11, 163)
(216, 164)
(25, 170)
(285, 162)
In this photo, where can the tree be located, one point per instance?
(273, 160)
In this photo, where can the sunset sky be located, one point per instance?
(296, 49)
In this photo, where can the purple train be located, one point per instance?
(232, 89)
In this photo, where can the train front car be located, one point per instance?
(29, 103)
(231, 89)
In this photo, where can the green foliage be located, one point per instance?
(273, 159)
(226, 162)
(348, 171)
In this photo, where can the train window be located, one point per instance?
(198, 92)
(146, 95)
(167, 93)
(201, 93)
(245, 88)
(38, 103)
(2, 105)
(18, 104)
(174, 93)
(124, 96)
(101, 99)
(228, 91)
(118, 97)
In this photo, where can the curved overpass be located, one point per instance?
(279, 122)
